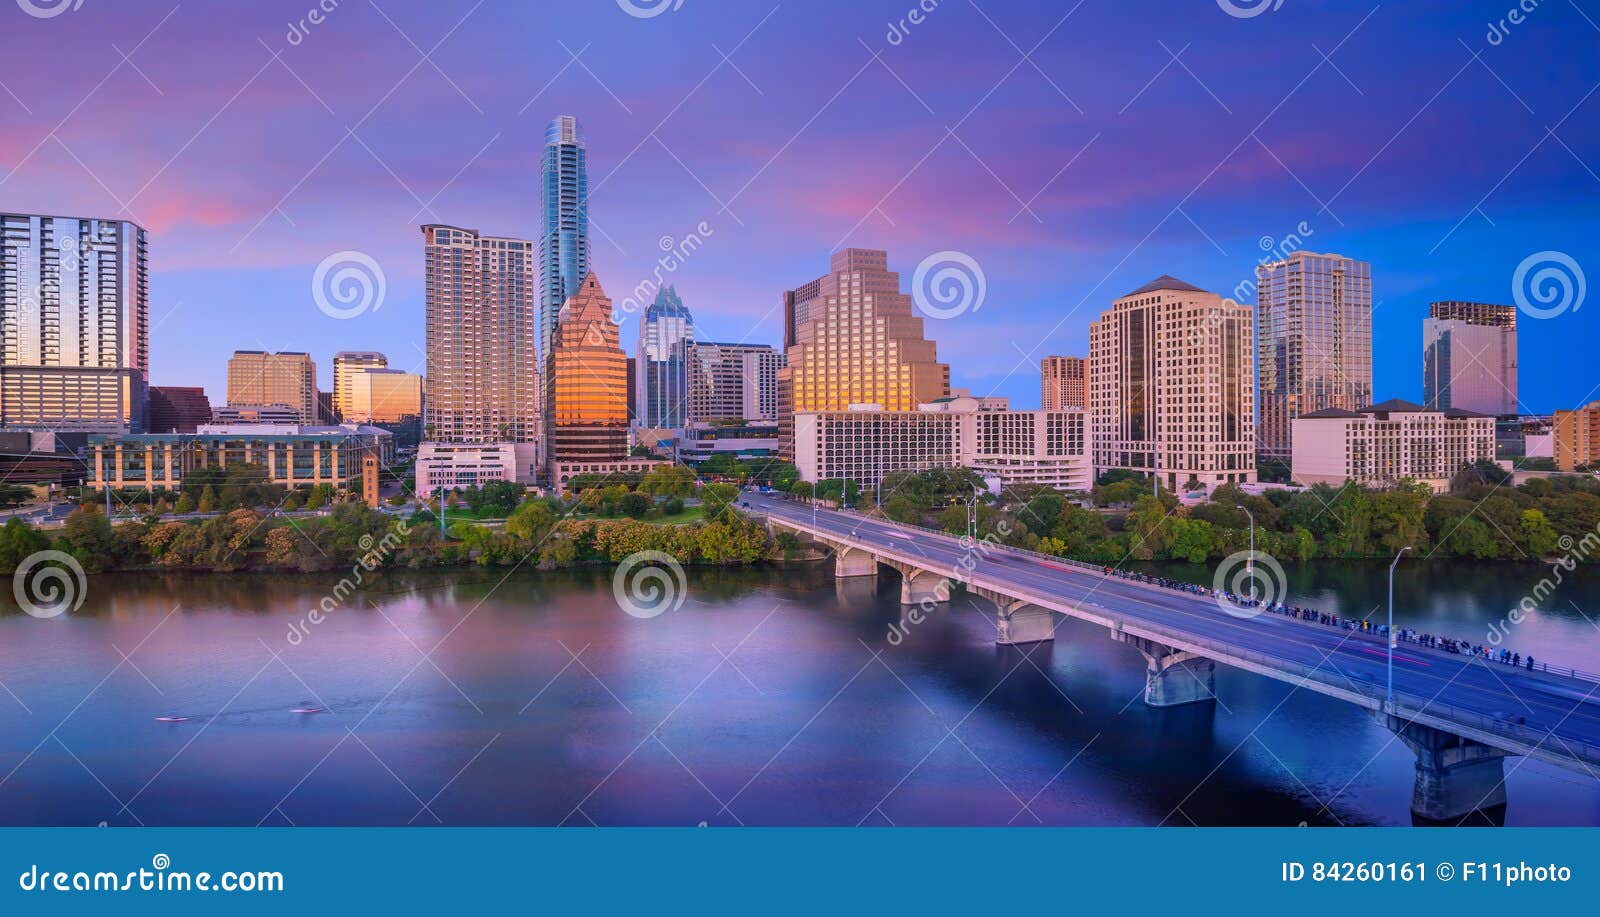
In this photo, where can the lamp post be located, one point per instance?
(813, 504)
(1250, 561)
(1390, 668)
(972, 518)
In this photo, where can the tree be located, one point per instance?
(718, 500)
(636, 505)
(185, 504)
(1192, 540)
(87, 536)
(1538, 534)
(19, 541)
(669, 481)
(208, 500)
(531, 521)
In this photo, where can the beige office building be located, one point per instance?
(384, 396)
(346, 364)
(482, 367)
(1172, 386)
(852, 339)
(289, 378)
(1062, 383)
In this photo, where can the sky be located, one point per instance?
(1068, 151)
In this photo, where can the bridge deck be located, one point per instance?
(1484, 701)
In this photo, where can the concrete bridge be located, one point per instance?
(1461, 716)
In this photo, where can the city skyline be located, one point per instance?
(1109, 213)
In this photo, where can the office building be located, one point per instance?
(1062, 383)
(589, 413)
(1314, 346)
(1575, 437)
(733, 382)
(563, 231)
(1469, 357)
(1383, 444)
(256, 377)
(661, 364)
(293, 455)
(177, 409)
(1172, 386)
(851, 338)
(451, 466)
(482, 363)
(384, 396)
(346, 364)
(701, 441)
(74, 352)
(278, 414)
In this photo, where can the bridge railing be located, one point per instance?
(1372, 636)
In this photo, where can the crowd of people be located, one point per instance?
(1313, 616)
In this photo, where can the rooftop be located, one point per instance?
(1165, 282)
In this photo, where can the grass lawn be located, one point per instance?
(689, 514)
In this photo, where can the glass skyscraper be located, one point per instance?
(665, 337)
(74, 324)
(1314, 344)
(564, 224)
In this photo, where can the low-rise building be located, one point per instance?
(448, 466)
(293, 456)
(256, 414)
(563, 473)
(701, 441)
(1381, 445)
(1009, 447)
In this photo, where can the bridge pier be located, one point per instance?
(1172, 676)
(923, 587)
(854, 562)
(1019, 622)
(1455, 776)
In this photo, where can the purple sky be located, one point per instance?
(1070, 175)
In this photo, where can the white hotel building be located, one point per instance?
(1381, 445)
(1013, 447)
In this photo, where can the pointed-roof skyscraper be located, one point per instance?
(588, 413)
(662, 361)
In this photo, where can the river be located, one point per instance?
(770, 697)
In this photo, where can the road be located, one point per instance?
(1559, 717)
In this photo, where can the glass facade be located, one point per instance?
(589, 407)
(1314, 345)
(563, 228)
(662, 364)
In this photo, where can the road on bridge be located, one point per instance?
(1555, 719)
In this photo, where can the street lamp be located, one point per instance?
(972, 518)
(1250, 561)
(813, 504)
(1390, 671)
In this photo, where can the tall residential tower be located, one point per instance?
(74, 351)
(483, 373)
(563, 230)
(1314, 341)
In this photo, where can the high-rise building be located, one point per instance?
(482, 365)
(384, 396)
(563, 229)
(1172, 386)
(1314, 341)
(346, 364)
(662, 363)
(175, 409)
(256, 377)
(1061, 383)
(589, 411)
(733, 382)
(851, 338)
(74, 324)
(1469, 357)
